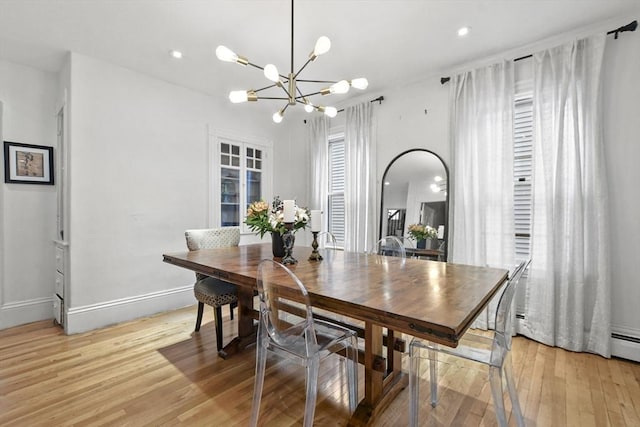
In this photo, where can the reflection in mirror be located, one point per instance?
(414, 191)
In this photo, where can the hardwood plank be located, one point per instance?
(157, 371)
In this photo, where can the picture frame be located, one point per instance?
(28, 164)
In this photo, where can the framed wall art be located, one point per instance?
(28, 164)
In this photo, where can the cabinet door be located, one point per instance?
(241, 175)
(230, 185)
(254, 163)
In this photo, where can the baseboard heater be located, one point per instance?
(635, 340)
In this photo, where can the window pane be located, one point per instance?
(224, 148)
(235, 150)
(224, 159)
(254, 187)
(229, 197)
(235, 161)
(249, 152)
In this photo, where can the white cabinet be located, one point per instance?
(241, 175)
(60, 244)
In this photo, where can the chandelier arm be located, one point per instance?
(273, 97)
(254, 65)
(266, 87)
(301, 68)
(309, 94)
(317, 81)
(286, 91)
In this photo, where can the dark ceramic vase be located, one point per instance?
(277, 245)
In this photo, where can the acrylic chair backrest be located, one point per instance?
(390, 246)
(407, 243)
(285, 310)
(503, 326)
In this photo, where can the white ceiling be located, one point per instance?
(389, 42)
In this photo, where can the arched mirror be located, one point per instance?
(414, 191)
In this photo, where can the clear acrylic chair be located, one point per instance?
(389, 246)
(287, 328)
(491, 351)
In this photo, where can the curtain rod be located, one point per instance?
(629, 27)
(378, 99)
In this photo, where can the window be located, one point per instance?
(522, 164)
(336, 188)
(522, 169)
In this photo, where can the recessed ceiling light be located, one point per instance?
(463, 31)
(175, 54)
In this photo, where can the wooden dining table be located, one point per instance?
(435, 301)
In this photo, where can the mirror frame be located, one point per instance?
(446, 169)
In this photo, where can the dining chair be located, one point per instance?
(389, 246)
(493, 351)
(210, 290)
(287, 328)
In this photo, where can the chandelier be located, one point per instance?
(289, 83)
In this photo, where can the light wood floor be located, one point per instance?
(156, 371)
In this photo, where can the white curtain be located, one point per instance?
(568, 297)
(319, 162)
(360, 178)
(481, 190)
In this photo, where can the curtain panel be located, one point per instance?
(483, 231)
(360, 178)
(319, 164)
(569, 294)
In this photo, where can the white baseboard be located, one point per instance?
(23, 312)
(87, 318)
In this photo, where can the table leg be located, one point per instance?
(246, 329)
(379, 390)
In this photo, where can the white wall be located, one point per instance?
(28, 211)
(622, 150)
(138, 179)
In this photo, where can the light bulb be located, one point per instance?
(435, 188)
(238, 96)
(308, 108)
(277, 116)
(360, 83)
(322, 46)
(341, 87)
(271, 72)
(225, 54)
(437, 178)
(463, 31)
(331, 111)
